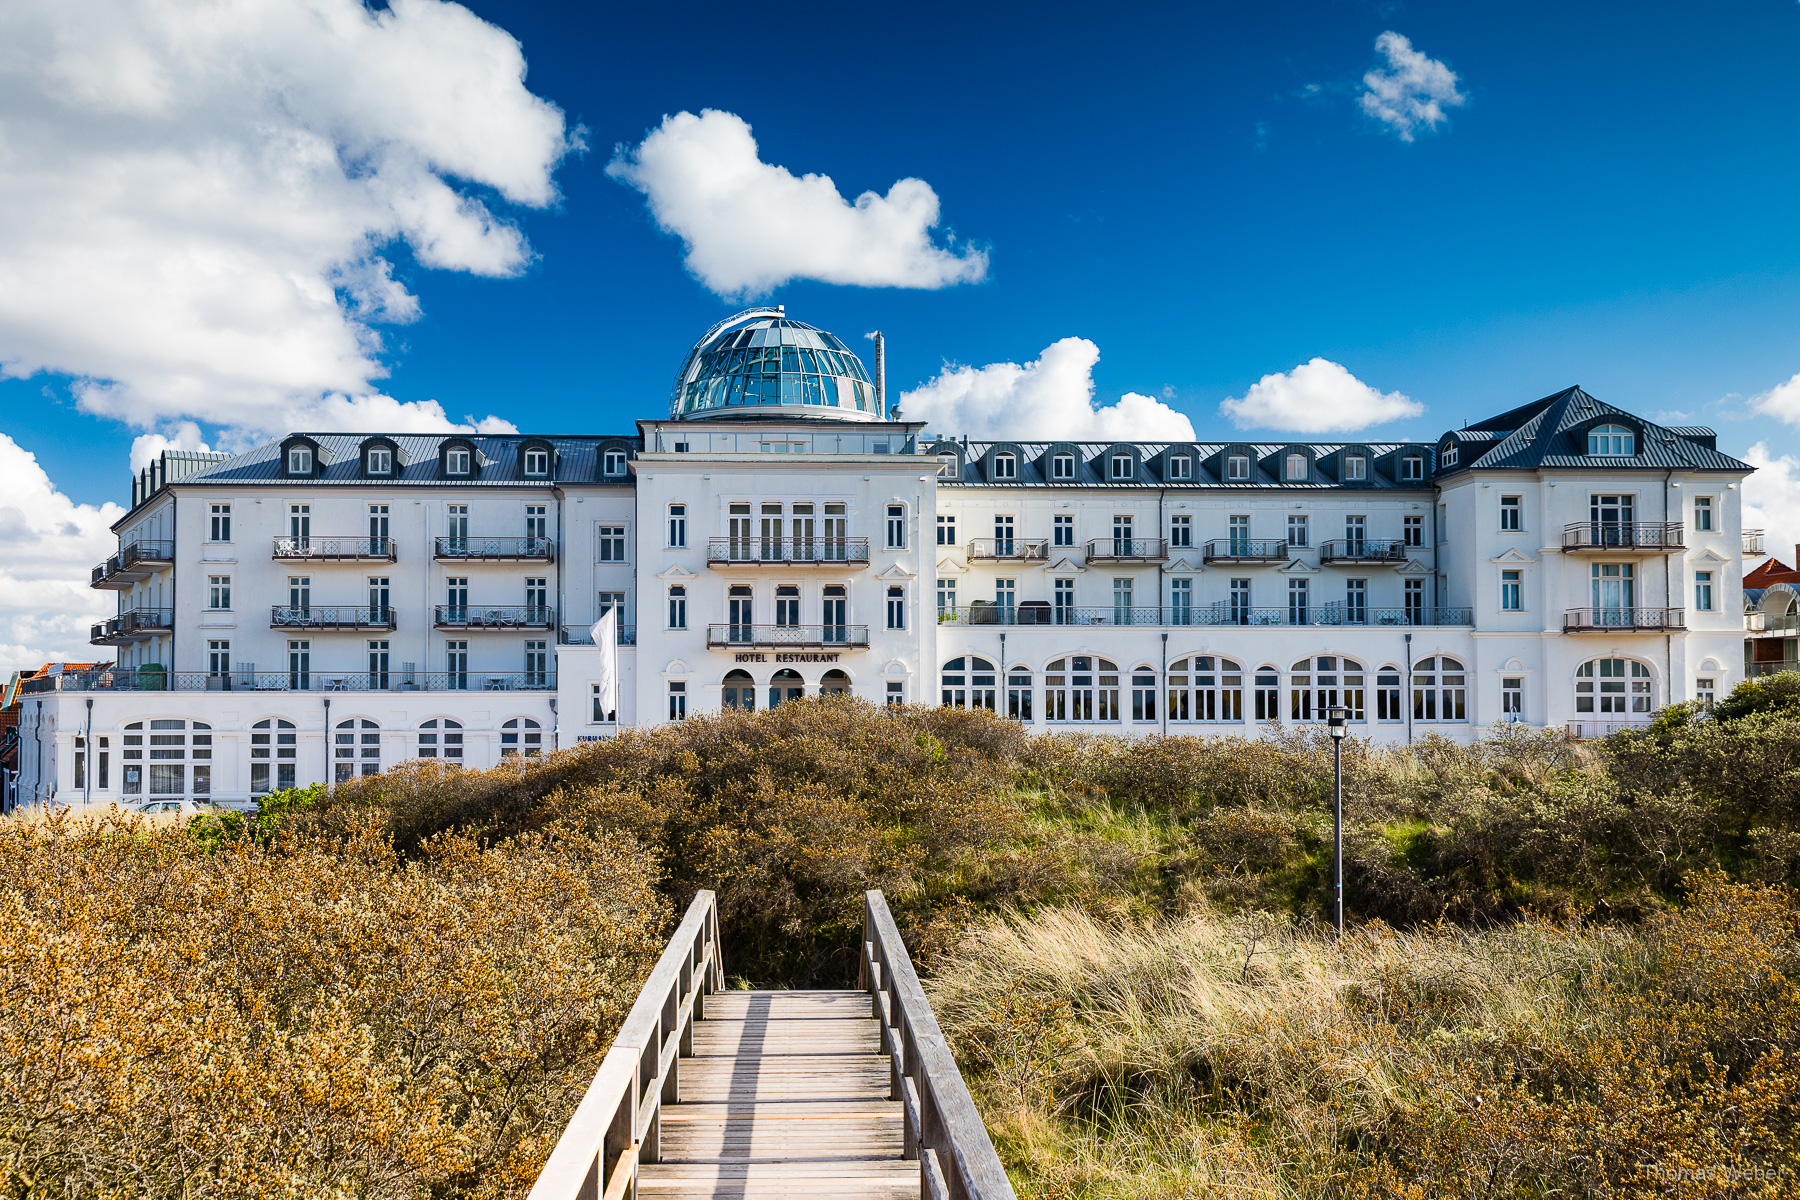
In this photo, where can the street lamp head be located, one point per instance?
(1337, 723)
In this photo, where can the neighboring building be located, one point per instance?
(333, 604)
(1772, 616)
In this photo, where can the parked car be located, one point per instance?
(186, 808)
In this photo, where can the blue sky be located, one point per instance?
(1194, 188)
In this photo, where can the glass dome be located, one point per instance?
(760, 360)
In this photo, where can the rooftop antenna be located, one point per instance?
(880, 370)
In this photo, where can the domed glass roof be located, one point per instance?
(760, 360)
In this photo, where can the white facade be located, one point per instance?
(335, 604)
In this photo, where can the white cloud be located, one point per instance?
(194, 198)
(1316, 397)
(1412, 92)
(1781, 402)
(1772, 500)
(751, 226)
(46, 606)
(1050, 398)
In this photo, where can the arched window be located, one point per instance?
(739, 691)
(1317, 685)
(175, 748)
(786, 685)
(1448, 455)
(357, 749)
(1612, 687)
(1387, 694)
(969, 683)
(896, 607)
(1143, 693)
(1081, 688)
(1440, 690)
(1611, 441)
(521, 736)
(1268, 693)
(677, 607)
(281, 755)
(441, 738)
(834, 683)
(1204, 688)
(1018, 693)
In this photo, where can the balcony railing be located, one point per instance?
(1128, 550)
(130, 564)
(783, 637)
(1608, 620)
(491, 617)
(1604, 728)
(330, 616)
(134, 626)
(334, 549)
(1605, 536)
(1010, 549)
(1365, 550)
(1040, 613)
(1244, 550)
(1753, 543)
(583, 635)
(118, 679)
(1758, 669)
(758, 552)
(492, 549)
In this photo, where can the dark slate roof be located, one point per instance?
(1552, 432)
(577, 460)
(1091, 470)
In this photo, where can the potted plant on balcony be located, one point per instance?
(152, 677)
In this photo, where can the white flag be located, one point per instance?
(605, 633)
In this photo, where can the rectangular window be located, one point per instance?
(1181, 532)
(218, 592)
(613, 465)
(300, 460)
(612, 543)
(896, 693)
(896, 527)
(1298, 594)
(1705, 691)
(537, 521)
(1412, 467)
(218, 657)
(1018, 696)
(1512, 591)
(1356, 468)
(1181, 467)
(946, 529)
(1003, 536)
(1240, 534)
(1006, 597)
(1006, 466)
(537, 462)
(678, 607)
(1237, 467)
(1123, 611)
(1064, 605)
(1062, 466)
(1122, 541)
(677, 701)
(1121, 466)
(1512, 698)
(1703, 591)
(1296, 531)
(677, 526)
(1143, 697)
(381, 461)
(221, 523)
(1415, 601)
(1240, 602)
(1063, 527)
(1356, 601)
(1415, 530)
(1512, 514)
(602, 716)
(456, 462)
(1703, 514)
(896, 607)
(946, 598)
(456, 525)
(1181, 602)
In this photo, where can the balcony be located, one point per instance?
(788, 637)
(1585, 730)
(1337, 615)
(407, 679)
(132, 563)
(330, 616)
(1753, 543)
(1757, 670)
(1785, 624)
(1010, 549)
(491, 549)
(583, 635)
(140, 624)
(1126, 550)
(788, 552)
(333, 549)
(1621, 537)
(486, 618)
(1243, 550)
(1375, 551)
(1623, 620)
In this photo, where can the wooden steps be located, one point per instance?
(786, 1095)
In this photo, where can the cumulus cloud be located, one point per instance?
(1781, 402)
(1316, 397)
(45, 603)
(1772, 500)
(1412, 92)
(1051, 398)
(750, 226)
(194, 199)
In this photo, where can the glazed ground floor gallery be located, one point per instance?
(97, 739)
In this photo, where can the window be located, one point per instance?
(1018, 694)
(1062, 466)
(537, 663)
(1356, 468)
(380, 461)
(1205, 689)
(1003, 536)
(1614, 593)
(300, 525)
(456, 526)
(1268, 694)
(1296, 531)
(785, 685)
(1612, 686)
(456, 461)
(1181, 466)
(1064, 604)
(1143, 693)
(1081, 689)
(299, 666)
(1512, 697)
(1006, 466)
(612, 543)
(1298, 592)
(1181, 532)
(221, 523)
(896, 527)
(1356, 602)
(946, 529)
(1611, 441)
(1237, 467)
(612, 464)
(604, 716)
(677, 700)
(356, 749)
(300, 460)
(456, 598)
(1705, 691)
(1124, 613)
(1448, 456)
(456, 665)
(1412, 467)
(1122, 543)
(218, 657)
(101, 758)
(1063, 529)
(1239, 526)
(1414, 529)
(787, 606)
(1415, 601)
(946, 466)
(834, 607)
(1703, 591)
(521, 737)
(896, 607)
(613, 602)
(1121, 466)
(1317, 685)
(1006, 598)
(1440, 690)
(946, 598)
(378, 665)
(1512, 591)
(537, 524)
(1703, 514)
(739, 691)
(1181, 602)
(678, 526)
(896, 693)
(537, 462)
(1387, 695)
(678, 607)
(1240, 602)
(1296, 467)
(1511, 514)
(218, 592)
(441, 738)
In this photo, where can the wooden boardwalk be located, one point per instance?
(786, 1094)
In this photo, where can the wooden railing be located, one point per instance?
(618, 1123)
(943, 1129)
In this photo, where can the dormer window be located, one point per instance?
(612, 464)
(1611, 441)
(1006, 466)
(300, 460)
(1448, 455)
(1181, 467)
(1237, 467)
(380, 461)
(946, 466)
(537, 462)
(456, 461)
(1412, 467)
(1356, 468)
(1121, 466)
(1062, 466)
(1296, 467)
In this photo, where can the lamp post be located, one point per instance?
(1337, 723)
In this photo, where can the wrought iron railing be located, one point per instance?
(1043, 613)
(132, 626)
(1622, 535)
(1758, 669)
(1128, 549)
(583, 635)
(108, 573)
(123, 679)
(1013, 549)
(755, 551)
(489, 616)
(1582, 620)
(331, 616)
(826, 637)
(1246, 550)
(493, 549)
(329, 549)
(1585, 730)
(1365, 550)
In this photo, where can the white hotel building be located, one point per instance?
(334, 604)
